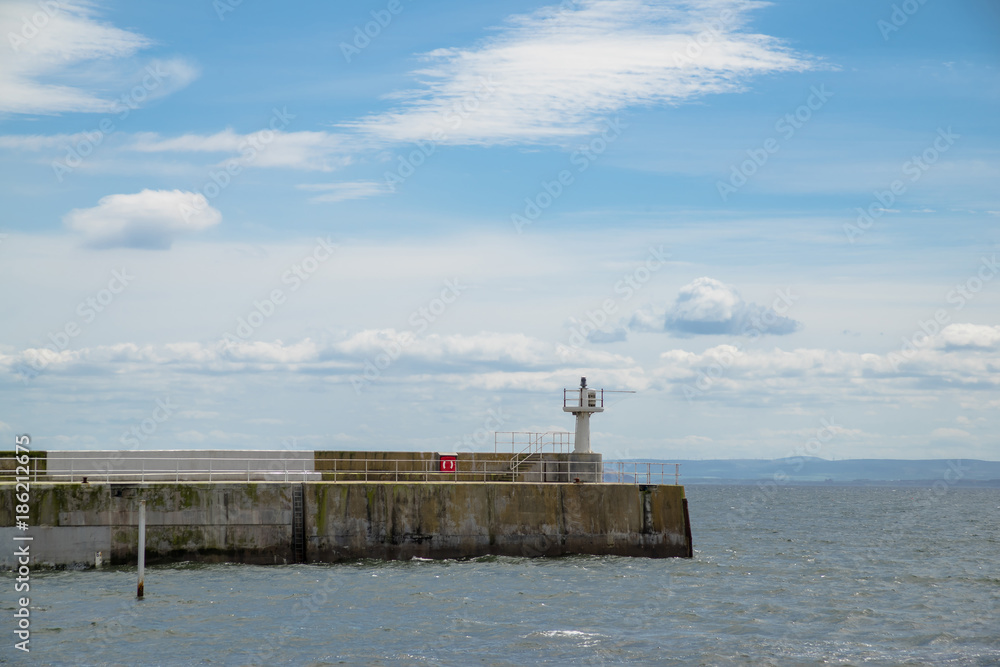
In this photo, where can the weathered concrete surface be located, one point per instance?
(442, 520)
(209, 522)
(252, 522)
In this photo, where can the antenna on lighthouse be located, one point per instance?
(583, 402)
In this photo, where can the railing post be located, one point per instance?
(142, 548)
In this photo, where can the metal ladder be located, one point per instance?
(298, 525)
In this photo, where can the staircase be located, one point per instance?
(298, 524)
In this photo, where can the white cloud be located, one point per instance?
(553, 74)
(459, 374)
(148, 219)
(969, 336)
(40, 142)
(493, 360)
(312, 151)
(59, 56)
(708, 306)
(950, 434)
(442, 355)
(725, 372)
(334, 192)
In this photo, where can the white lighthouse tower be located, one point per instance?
(583, 403)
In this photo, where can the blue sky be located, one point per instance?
(764, 218)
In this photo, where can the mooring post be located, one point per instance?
(142, 545)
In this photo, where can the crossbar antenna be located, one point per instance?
(583, 402)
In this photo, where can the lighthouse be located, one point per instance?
(583, 402)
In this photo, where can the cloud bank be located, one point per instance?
(502, 360)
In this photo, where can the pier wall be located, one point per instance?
(253, 522)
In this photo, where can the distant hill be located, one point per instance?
(812, 470)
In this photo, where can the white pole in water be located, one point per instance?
(142, 545)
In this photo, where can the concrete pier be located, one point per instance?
(252, 522)
(284, 507)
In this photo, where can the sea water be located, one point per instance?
(782, 575)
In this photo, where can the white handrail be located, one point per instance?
(163, 469)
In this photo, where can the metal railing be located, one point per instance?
(558, 442)
(466, 469)
(12, 471)
(221, 469)
(582, 398)
(175, 469)
(531, 444)
(410, 470)
(641, 472)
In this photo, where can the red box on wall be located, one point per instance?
(448, 463)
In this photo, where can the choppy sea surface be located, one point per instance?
(781, 576)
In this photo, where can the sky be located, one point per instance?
(401, 225)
